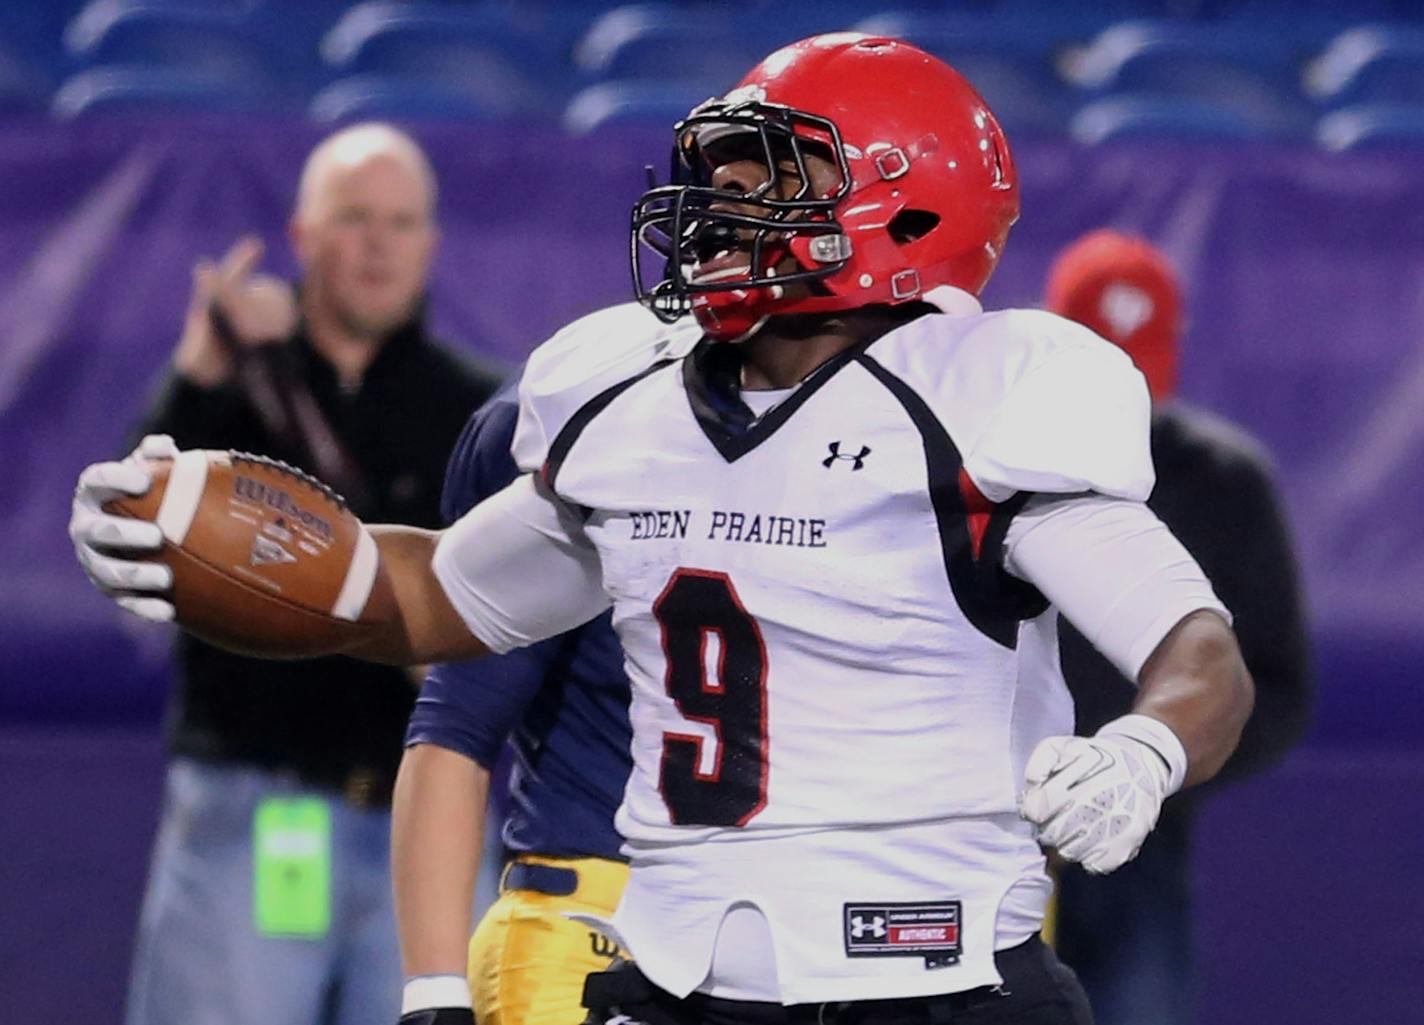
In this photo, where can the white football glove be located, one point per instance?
(1095, 799)
(106, 545)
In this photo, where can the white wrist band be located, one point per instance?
(425, 991)
(1159, 737)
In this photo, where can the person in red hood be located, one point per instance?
(1125, 290)
(1129, 934)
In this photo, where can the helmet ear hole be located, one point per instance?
(911, 225)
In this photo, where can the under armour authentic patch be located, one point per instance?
(930, 931)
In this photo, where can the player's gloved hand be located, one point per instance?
(108, 546)
(1095, 799)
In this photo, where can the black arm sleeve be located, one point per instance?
(1258, 579)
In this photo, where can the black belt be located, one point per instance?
(550, 879)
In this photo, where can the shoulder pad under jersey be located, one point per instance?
(1034, 402)
(589, 356)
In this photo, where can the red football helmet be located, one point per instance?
(925, 196)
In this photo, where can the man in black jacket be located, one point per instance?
(1129, 934)
(269, 894)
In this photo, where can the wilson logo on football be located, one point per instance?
(264, 494)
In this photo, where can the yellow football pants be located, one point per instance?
(527, 961)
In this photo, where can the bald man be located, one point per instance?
(269, 893)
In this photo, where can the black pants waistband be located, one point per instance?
(632, 993)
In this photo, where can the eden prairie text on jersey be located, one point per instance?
(727, 525)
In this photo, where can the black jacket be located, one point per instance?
(335, 722)
(1215, 491)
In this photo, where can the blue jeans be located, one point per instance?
(1128, 934)
(200, 959)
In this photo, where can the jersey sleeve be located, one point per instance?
(518, 568)
(482, 462)
(581, 361)
(471, 707)
(1112, 568)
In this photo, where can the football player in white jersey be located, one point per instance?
(834, 512)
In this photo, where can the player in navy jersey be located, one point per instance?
(563, 706)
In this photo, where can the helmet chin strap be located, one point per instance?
(735, 316)
(731, 317)
(746, 335)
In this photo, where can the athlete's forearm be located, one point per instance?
(1196, 683)
(423, 626)
(437, 836)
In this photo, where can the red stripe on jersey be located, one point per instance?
(978, 510)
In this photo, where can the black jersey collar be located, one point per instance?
(711, 373)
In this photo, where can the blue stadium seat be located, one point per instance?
(149, 90)
(657, 42)
(32, 56)
(24, 83)
(404, 98)
(654, 104)
(1114, 10)
(1242, 70)
(1369, 64)
(1372, 126)
(1067, 23)
(662, 40)
(1153, 117)
(386, 37)
(207, 35)
(1012, 69)
(1019, 99)
(777, 24)
(1283, 12)
(98, 22)
(1167, 55)
(473, 52)
(1023, 35)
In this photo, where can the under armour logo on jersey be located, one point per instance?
(859, 927)
(858, 459)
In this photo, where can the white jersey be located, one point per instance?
(835, 683)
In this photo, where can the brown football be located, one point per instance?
(266, 560)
